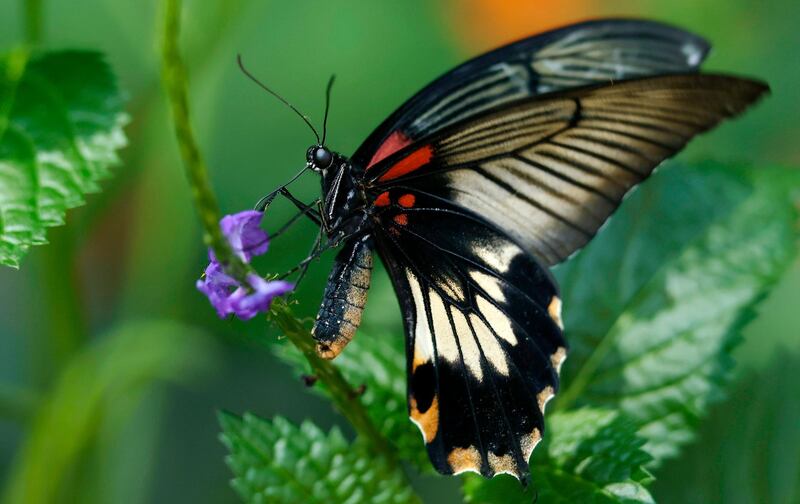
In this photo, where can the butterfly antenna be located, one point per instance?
(327, 108)
(276, 95)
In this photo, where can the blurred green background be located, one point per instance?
(135, 422)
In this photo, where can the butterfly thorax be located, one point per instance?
(344, 208)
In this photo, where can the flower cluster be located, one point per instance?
(247, 239)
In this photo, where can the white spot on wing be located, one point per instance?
(450, 287)
(692, 53)
(446, 346)
(489, 284)
(497, 320)
(496, 255)
(492, 350)
(469, 348)
(423, 343)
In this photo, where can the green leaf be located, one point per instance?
(115, 369)
(61, 124)
(655, 303)
(755, 433)
(590, 455)
(274, 461)
(378, 363)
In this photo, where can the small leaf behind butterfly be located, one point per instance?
(590, 455)
(275, 461)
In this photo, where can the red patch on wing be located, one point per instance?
(407, 200)
(393, 143)
(408, 164)
(382, 199)
(401, 219)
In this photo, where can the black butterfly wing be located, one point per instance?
(484, 341)
(582, 54)
(464, 220)
(549, 171)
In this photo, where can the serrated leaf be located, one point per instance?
(378, 362)
(61, 124)
(114, 369)
(274, 461)
(655, 303)
(590, 455)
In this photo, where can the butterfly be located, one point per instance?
(474, 187)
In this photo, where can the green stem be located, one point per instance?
(142, 107)
(173, 73)
(344, 397)
(33, 21)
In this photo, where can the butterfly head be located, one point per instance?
(319, 158)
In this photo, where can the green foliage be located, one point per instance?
(60, 127)
(274, 461)
(113, 371)
(755, 433)
(654, 305)
(378, 363)
(590, 455)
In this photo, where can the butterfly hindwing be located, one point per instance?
(578, 55)
(484, 339)
(549, 171)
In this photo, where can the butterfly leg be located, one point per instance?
(315, 251)
(311, 211)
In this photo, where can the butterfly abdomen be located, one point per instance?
(344, 298)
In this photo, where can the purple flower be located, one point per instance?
(243, 231)
(247, 305)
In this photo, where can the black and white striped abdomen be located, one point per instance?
(344, 298)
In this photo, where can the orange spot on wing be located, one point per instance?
(407, 200)
(383, 199)
(401, 219)
(427, 421)
(393, 143)
(408, 164)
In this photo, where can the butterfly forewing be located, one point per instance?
(578, 55)
(549, 171)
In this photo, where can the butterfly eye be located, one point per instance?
(322, 157)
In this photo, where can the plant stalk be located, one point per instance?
(176, 85)
(174, 76)
(344, 396)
